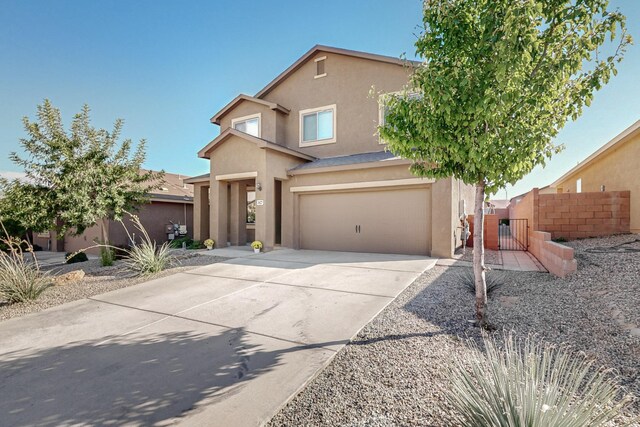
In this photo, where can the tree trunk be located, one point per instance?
(105, 232)
(478, 256)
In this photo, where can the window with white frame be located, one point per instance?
(320, 70)
(318, 126)
(579, 185)
(248, 124)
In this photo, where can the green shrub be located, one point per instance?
(494, 279)
(107, 257)
(73, 257)
(177, 243)
(195, 244)
(559, 239)
(530, 384)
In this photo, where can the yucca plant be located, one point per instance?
(147, 257)
(530, 384)
(494, 279)
(20, 280)
(142, 258)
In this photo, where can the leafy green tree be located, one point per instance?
(75, 179)
(499, 79)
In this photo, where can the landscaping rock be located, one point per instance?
(70, 277)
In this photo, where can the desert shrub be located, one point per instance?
(20, 280)
(177, 243)
(494, 279)
(559, 239)
(527, 383)
(107, 257)
(147, 257)
(73, 257)
(195, 244)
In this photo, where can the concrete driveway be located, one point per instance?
(226, 344)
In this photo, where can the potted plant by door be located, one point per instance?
(209, 244)
(256, 245)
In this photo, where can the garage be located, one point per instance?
(396, 221)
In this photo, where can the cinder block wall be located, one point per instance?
(490, 231)
(579, 215)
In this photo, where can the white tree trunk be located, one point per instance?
(478, 255)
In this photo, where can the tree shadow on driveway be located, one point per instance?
(137, 379)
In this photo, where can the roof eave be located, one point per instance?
(242, 97)
(339, 51)
(621, 138)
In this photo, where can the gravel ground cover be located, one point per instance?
(394, 370)
(98, 280)
(490, 256)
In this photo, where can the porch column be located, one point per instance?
(201, 212)
(265, 213)
(218, 208)
(238, 209)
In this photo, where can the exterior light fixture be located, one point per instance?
(259, 187)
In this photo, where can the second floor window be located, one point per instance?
(248, 124)
(317, 125)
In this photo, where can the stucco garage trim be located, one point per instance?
(362, 185)
(236, 176)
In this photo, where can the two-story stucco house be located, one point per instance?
(300, 165)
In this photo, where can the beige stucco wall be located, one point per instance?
(248, 108)
(617, 170)
(347, 84)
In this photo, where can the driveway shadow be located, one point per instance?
(138, 379)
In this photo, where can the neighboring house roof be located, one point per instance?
(500, 203)
(261, 143)
(611, 145)
(200, 178)
(353, 161)
(320, 48)
(173, 188)
(242, 97)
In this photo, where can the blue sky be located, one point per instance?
(166, 67)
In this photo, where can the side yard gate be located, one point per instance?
(513, 234)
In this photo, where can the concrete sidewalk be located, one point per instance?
(225, 344)
(511, 261)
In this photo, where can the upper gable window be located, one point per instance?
(318, 126)
(320, 70)
(248, 124)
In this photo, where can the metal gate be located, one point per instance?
(513, 234)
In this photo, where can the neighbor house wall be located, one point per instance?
(617, 170)
(154, 217)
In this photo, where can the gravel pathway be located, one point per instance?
(393, 372)
(98, 280)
